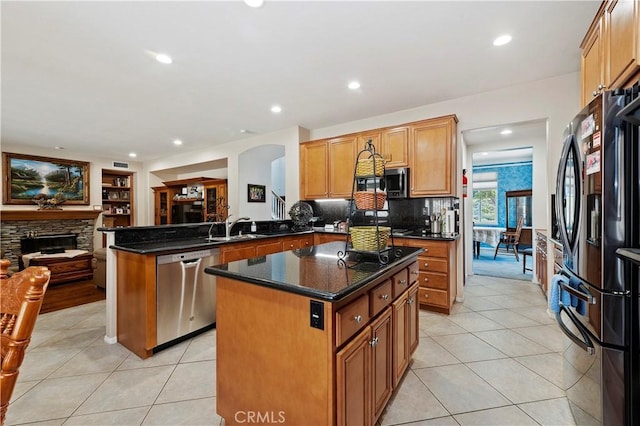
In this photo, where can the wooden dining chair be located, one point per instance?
(20, 301)
(509, 241)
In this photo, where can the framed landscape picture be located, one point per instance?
(26, 176)
(256, 193)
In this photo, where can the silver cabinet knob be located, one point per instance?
(426, 264)
(426, 250)
(403, 282)
(384, 297)
(426, 279)
(426, 295)
(374, 341)
(410, 301)
(414, 273)
(358, 318)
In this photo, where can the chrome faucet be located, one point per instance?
(228, 225)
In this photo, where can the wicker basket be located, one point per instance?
(365, 238)
(364, 166)
(369, 200)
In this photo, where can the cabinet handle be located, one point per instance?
(600, 86)
(403, 282)
(595, 93)
(426, 295)
(414, 273)
(426, 280)
(374, 341)
(384, 297)
(426, 264)
(291, 245)
(358, 318)
(410, 301)
(426, 250)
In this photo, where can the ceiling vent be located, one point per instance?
(120, 165)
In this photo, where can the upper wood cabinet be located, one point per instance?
(611, 48)
(215, 200)
(211, 199)
(391, 143)
(622, 37)
(395, 147)
(326, 168)
(314, 170)
(342, 159)
(592, 63)
(432, 160)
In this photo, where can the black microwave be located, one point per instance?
(397, 183)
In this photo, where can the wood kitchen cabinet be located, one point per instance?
(432, 157)
(314, 170)
(611, 48)
(327, 168)
(391, 143)
(592, 62)
(437, 272)
(211, 199)
(363, 373)
(541, 260)
(622, 41)
(162, 204)
(260, 247)
(405, 333)
(321, 238)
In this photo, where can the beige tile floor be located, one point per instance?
(494, 361)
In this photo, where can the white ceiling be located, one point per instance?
(81, 74)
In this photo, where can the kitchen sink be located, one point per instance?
(234, 238)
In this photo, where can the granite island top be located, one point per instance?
(315, 271)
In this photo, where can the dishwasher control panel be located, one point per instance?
(190, 255)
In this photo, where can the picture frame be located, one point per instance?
(26, 176)
(256, 193)
(124, 195)
(114, 195)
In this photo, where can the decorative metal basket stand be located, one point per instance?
(369, 234)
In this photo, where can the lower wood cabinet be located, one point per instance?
(363, 373)
(261, 247)
(437, 272)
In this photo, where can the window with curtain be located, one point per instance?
(485, 198)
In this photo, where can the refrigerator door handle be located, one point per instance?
(585, 343)
(631, 112)
(581, 292)
(618, 172)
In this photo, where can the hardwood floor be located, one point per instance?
(63, 296)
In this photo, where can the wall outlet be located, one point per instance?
(425, 211)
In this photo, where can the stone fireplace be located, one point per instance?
(18, 224)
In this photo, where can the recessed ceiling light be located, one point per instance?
(253, 3)
(502, 40)
(276, 109)
(58, 147)
(164, 59)
(354, 85)
(506, 132)
(133, 154)
(177, 142)
(484, 153)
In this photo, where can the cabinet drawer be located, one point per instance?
(436, 250)
(351, 318)
(430, 296)
(380, 297)
(400, 282)
(431, 264)
(434, 280)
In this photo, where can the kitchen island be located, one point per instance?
(306, 338)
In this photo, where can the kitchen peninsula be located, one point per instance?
(306, 338)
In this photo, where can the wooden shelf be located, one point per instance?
(8, 215)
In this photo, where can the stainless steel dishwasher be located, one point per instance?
(185, 295)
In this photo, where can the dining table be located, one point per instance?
(485, 234)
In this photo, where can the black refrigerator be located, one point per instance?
(597, 207)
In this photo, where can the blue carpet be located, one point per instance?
(504, 266)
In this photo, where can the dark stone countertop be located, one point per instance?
(311, 271)
(415, 236)
(200, 242)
